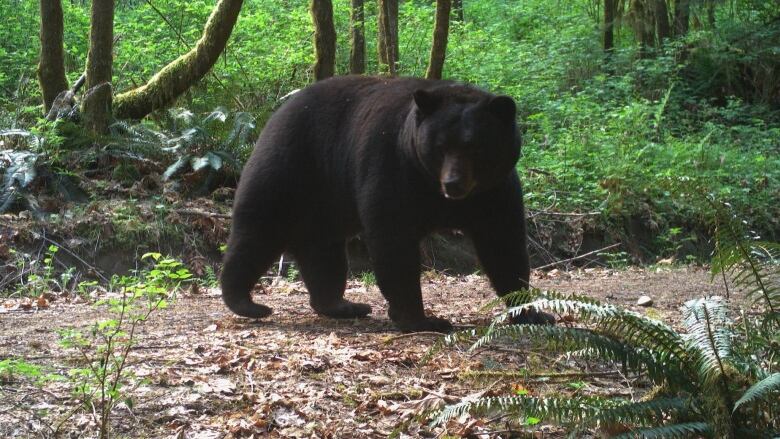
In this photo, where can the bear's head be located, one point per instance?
(465, 138)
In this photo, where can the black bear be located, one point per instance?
(393, 159)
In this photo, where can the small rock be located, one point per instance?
(644, 301)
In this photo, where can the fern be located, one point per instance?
(627, 326)
(752, 265)
(570, 410)
(584, 343)
(760, 390)
(683, 430)
(708, 335)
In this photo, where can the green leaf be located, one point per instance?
(760, 390)
(177, 166)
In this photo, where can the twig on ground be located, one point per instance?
(584, 255)
(202, 213)
(412, 334)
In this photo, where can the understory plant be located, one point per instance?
(104, 347)
(718, 377)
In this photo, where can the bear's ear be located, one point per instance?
(426, 101)
(504, 107)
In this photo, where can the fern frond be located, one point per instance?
(557, 409)
(708, 335)
(585, 342)
(682, 430)
(623, 325)
(650, 412)
(241, 132)
(576, 410)
(760, 390)
(751, 264)
(520, 297)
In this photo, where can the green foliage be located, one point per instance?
(717, 378)
(601, 135)
(368, 278)
(196, 140)
(103, 349)
(38, 274)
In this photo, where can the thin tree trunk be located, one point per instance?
(663, 30)
(610, 7)
(51, 67)
(457, 6)
(388, 35)
(96, 105)
(682, 14)
(711, 13)
(357, 53)
(324, 39)
(441, 29)
(178, 76)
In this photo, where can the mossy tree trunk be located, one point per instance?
(178, 76)
(357, 53)
(324, 39)
(96, 105)
(51, 67)
(441, 30)
(388, 36)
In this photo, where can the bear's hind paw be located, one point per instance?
(344, 309)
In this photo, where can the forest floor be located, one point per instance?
(204, 373)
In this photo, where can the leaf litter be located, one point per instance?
(200, 372)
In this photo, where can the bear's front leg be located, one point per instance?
(396, 260)
(499, 235)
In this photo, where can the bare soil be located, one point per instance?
(203, 373)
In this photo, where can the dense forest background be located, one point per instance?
(636, 119)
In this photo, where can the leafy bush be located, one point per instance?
(104, 348)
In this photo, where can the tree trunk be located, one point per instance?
(711, 13)
(682, 14)
(96, 105)
(388, 35)
(441, 29)
(178, 76)
(610, 9)
(642, 17)
(324, 39)
(457, 5)
(357, 53)
(663, 30)
(51, 67)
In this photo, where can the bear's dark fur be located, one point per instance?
(393, 159)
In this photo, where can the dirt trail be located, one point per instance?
(208, 374)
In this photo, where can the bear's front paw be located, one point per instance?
(427, 324)
(533, 317)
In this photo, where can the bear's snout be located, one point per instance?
(457, 178)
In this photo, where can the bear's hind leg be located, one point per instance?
(323, 267)
(248, 256)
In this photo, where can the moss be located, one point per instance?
(178, 76)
